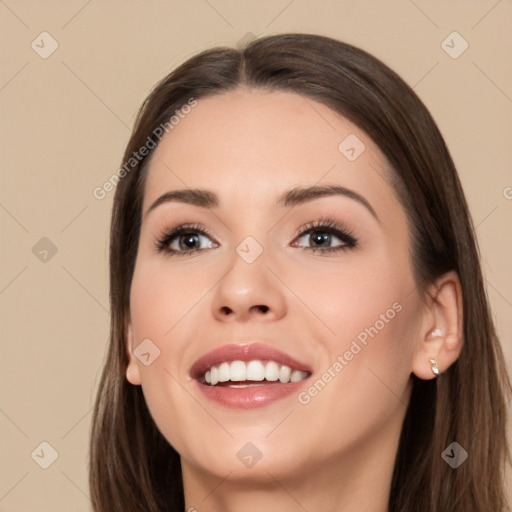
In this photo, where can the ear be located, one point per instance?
(132, 370)
(441, 337)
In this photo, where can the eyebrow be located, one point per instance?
(296, 196)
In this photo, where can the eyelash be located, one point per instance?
(330, 226)
(323, 225)
(162, 244)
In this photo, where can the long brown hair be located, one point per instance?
(132, 466)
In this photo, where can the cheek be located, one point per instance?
(358, 404)
(373, 318)
(355, 297)
(160, 300)
(164, 305)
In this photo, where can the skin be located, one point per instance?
(336, 452)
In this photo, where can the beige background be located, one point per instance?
(66, 120)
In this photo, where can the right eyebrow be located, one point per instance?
(196, 197)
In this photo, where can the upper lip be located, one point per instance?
(245, 352)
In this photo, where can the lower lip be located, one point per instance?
(250, 397)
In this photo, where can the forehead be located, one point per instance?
(251, 145)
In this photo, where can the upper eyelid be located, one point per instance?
(186, 228)
(309, 226)
(321, 223)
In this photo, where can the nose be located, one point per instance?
(249, 292)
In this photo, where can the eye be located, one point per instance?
(323, 233)
(185, 240)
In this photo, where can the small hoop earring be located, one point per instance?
(435, 369)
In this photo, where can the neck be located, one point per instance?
(359, 479)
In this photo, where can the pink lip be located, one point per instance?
(254, 396)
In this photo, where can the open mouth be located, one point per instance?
(248, 374)
(242, 374)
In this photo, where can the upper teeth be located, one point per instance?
(239, 371)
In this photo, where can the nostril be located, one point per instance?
(227, 310)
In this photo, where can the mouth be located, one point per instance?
(239, 374)
(248, 375)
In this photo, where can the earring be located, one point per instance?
(435, 369)
(436, 333)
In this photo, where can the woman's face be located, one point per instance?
(300, 260)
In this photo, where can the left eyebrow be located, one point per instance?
(300, 195)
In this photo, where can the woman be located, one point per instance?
(299, 319)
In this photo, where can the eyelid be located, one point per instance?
(322, 222)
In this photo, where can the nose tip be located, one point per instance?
(248, 292)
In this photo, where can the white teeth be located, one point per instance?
(224, 373)
(238, 371)
(272, 371)
(255, 371)
(297, 375)
(284, 374)
(214, 375)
